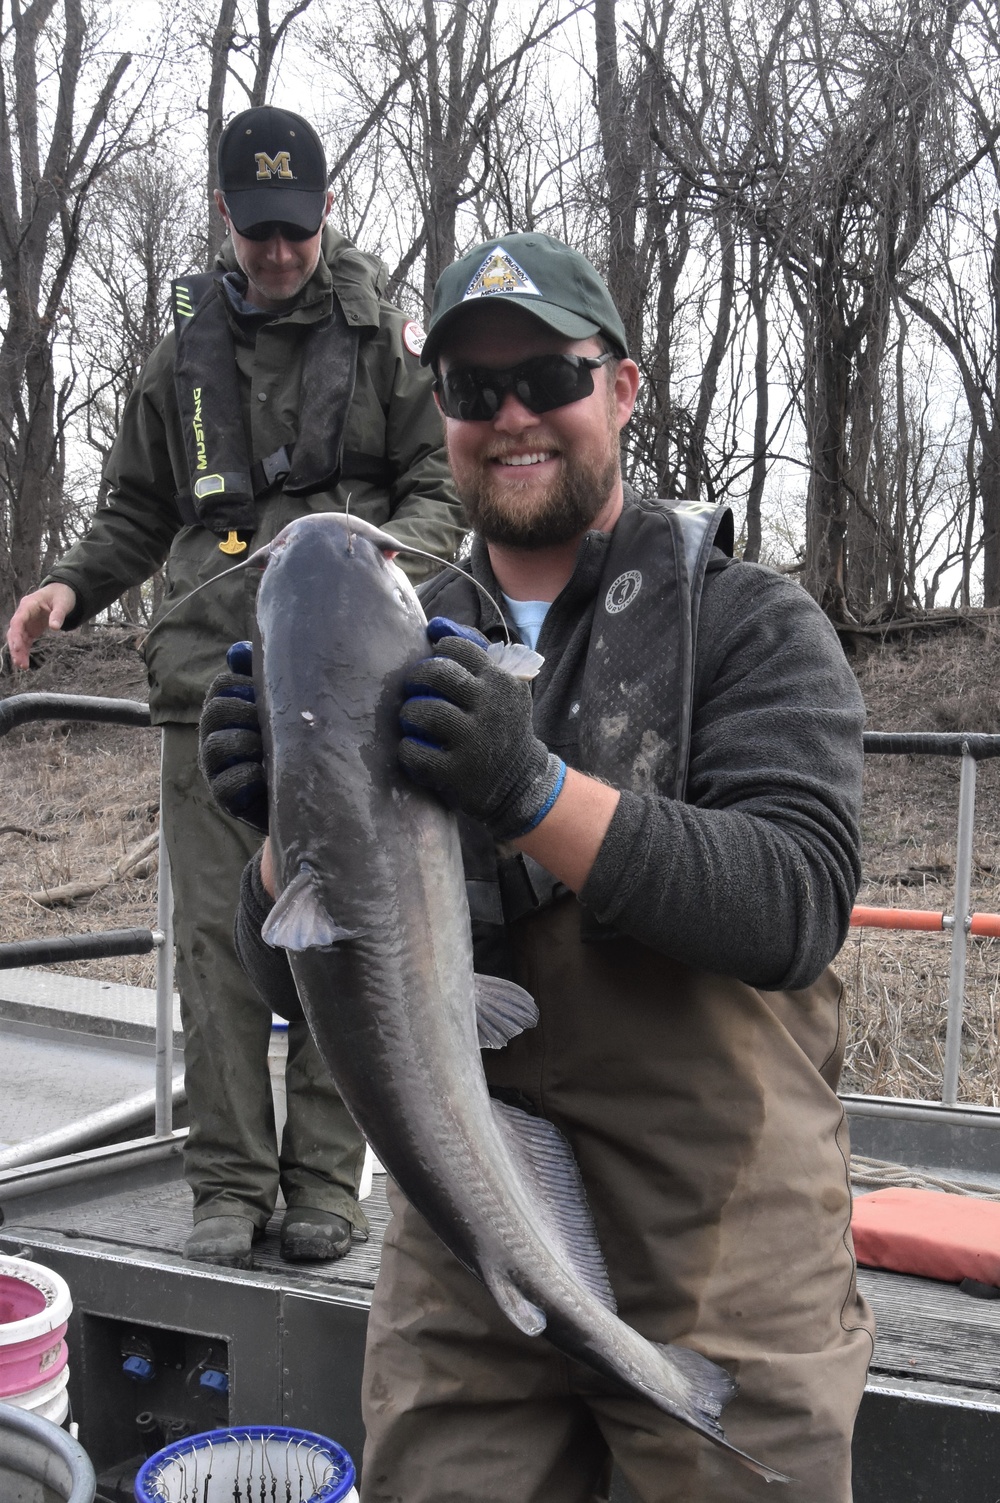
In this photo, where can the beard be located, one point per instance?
(565, 512)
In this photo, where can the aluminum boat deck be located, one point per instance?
(288, 1340)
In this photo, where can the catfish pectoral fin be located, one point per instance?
(516, 659)
(503, 1010)
(299, 919)
(518, 1309)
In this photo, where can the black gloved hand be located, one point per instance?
(230, 750)
(467, 733)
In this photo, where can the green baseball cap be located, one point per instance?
(547, 278)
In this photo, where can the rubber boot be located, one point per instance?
(312, 1236)
(226, 1240)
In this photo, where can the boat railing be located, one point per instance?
(972, 748)
(20, 709)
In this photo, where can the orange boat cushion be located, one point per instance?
(926, 1232)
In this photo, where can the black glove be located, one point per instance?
(467, 734)
(230, 750)
(266, 967)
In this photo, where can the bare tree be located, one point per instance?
(242, 48)
(955, 290)
(826, 136)
(433, 91)
(53, 150)
(143, 228)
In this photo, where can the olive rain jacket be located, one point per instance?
(392, 433)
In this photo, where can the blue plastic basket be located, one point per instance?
(254, 1463)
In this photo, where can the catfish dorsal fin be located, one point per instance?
(503, 1010)
(548, 1168)
(299, 919)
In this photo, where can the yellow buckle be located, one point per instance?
(233, 544)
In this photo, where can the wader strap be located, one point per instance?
(521, 886)
(636, 704)
(702, 528)
(648, 597)
(525, 886)
(484, 901)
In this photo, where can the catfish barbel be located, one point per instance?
(372, 912)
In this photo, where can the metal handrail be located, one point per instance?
(16, 953)
(20, 709)
(979, 746)
(972, 747)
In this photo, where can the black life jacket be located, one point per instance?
(635, 699)
(225, 479)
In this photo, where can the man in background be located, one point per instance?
(288, 385)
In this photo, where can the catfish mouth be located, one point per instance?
(318, 527)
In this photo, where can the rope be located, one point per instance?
(879, 1174)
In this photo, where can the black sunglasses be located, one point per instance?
(272, 227)
(475, 393)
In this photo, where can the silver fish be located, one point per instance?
(372, 913)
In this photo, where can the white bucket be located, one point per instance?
(370, 1166)
(49, 1401)
(35, 1306)
(277, 1058)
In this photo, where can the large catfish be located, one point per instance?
(372, 913)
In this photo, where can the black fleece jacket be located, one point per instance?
(755, 873)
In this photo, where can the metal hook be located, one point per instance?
(211, 1463)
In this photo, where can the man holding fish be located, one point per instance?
(660, 847)
(288, 385)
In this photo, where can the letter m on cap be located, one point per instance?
(277, 166)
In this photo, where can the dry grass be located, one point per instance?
(75, 799)
(897, 984)
(85, 795)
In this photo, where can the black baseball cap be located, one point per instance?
(272, 167)
(544, 276)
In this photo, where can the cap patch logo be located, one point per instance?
(500, 273)
(276, 166)
(414, 337)
(624, 590)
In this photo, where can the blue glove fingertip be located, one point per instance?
(421, 691)
(239, 658)
(246, 692)
(409, 729)
(439, 627)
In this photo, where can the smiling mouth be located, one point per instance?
(524, 460)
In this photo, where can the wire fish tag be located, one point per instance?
(516, 659)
